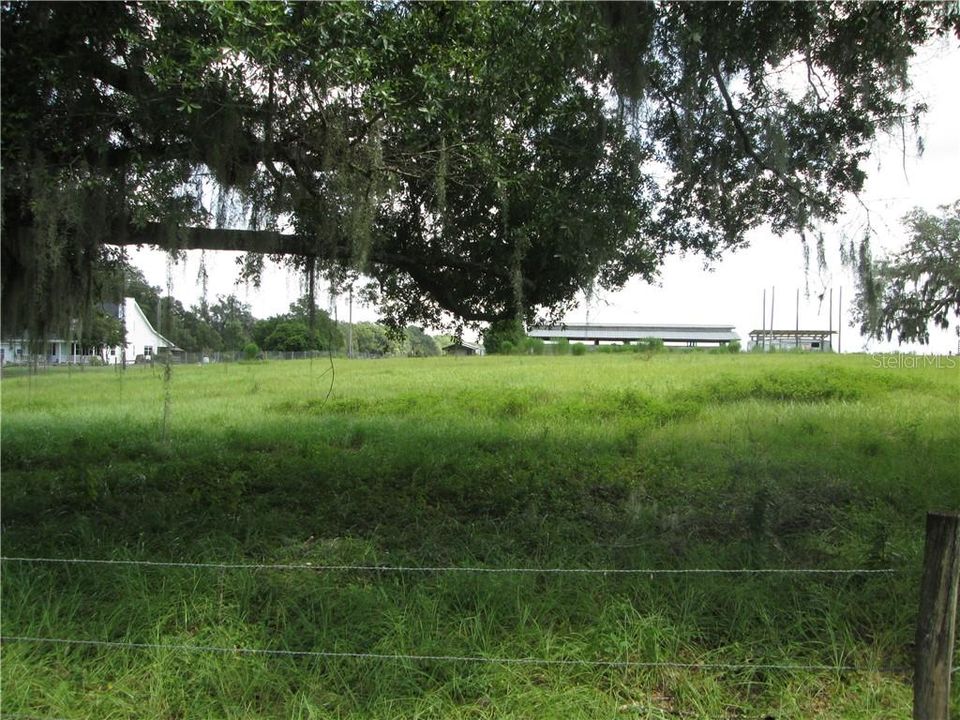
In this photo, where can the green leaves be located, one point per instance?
(605, 135)
(187, 106)
(916, 288)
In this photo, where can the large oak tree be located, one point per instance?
(487, 160)
(905, 293)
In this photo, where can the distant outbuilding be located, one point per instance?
(689, 335)
(811, 340)
(463, 349)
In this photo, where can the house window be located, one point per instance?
(148, 350)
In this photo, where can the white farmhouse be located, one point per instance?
(53, 351)
(143, 342)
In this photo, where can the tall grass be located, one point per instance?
(617, 461)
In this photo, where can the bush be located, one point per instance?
(562, 347)
(289, 336)
(726, 349)
(502, 337)
(250, 351)
(533, 346)
(578, 349)
(650, 345)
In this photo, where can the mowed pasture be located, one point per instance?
(669, 461)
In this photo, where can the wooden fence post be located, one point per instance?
(936, 621)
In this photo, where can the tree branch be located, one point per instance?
(132, 81)
(426, 272)
(745, 141)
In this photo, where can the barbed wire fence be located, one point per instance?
(454, 568)
(472, 659)
(934, 556)
(440, 569)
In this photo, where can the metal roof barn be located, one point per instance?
(691, 335)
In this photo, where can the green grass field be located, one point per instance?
(668, 461)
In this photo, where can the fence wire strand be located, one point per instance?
(332, 655)
(455, 568)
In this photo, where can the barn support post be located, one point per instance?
(936, 619)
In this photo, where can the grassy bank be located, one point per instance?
(603, 461)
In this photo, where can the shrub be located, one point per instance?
(562, 347)
(534, 346)
(503, 336)
(289, 336)
(250, 351)
(733, 347)
(578, 349)
(650, 345)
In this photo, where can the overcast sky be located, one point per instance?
(730, 292)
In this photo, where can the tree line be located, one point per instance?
(228, 325)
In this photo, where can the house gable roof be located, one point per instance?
(132, 303)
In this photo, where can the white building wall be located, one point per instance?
(140, 337)
(51, 351)
(14, 351)
(140, 334)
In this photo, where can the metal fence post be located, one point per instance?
(936, 620)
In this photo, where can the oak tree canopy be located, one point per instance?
(904, 293)
(488, 160)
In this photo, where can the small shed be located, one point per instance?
(809, 340)
(463, 349)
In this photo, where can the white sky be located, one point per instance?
(731, 292)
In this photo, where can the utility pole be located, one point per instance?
(773, 298)
(763, 322)
(831, 318)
